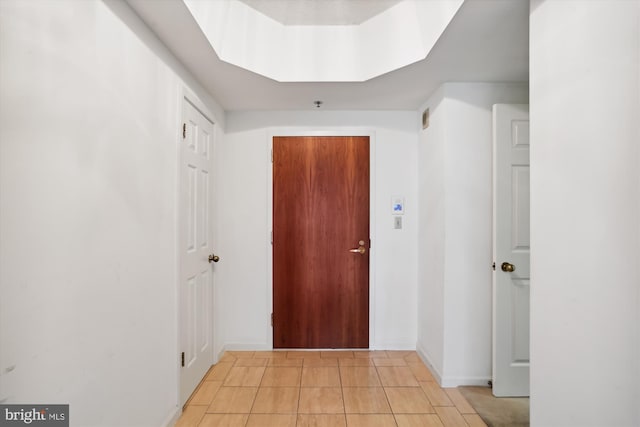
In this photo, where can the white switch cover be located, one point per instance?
(397, 222)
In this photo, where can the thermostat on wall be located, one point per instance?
(397, 205)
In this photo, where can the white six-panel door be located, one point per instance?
(195, 243)
(511, 250)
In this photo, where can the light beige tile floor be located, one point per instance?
(324, 389)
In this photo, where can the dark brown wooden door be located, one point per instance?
(320, 213)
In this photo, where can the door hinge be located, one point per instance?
(493, 266)
(182, 359)
(272, 320)
(272, 156)
(184, 130)
(272, 237)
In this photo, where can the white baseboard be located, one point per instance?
(267, 347)
(464, 381)
(402, 346)
(236, 346)
(448, 381)
(427, 361)
(173, 418)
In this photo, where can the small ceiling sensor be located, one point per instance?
(317, 103)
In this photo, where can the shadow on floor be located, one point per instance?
(497, 411)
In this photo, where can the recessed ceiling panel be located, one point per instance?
(321, 12)
(399, 35)
(487, 41)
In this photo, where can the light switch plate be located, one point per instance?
(397, 222)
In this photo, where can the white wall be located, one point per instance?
(585, 213)
(245, 203)
(89, 118)
(454, 333)
(431, 233)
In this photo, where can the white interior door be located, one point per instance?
(511, 250)
(196, 282)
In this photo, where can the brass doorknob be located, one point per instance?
(213, 258)
(360, 250)
(508, 267)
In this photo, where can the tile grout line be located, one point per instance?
(395, 418)
(255, 397)
(299, 390)
(386, 396)
(344, 403)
